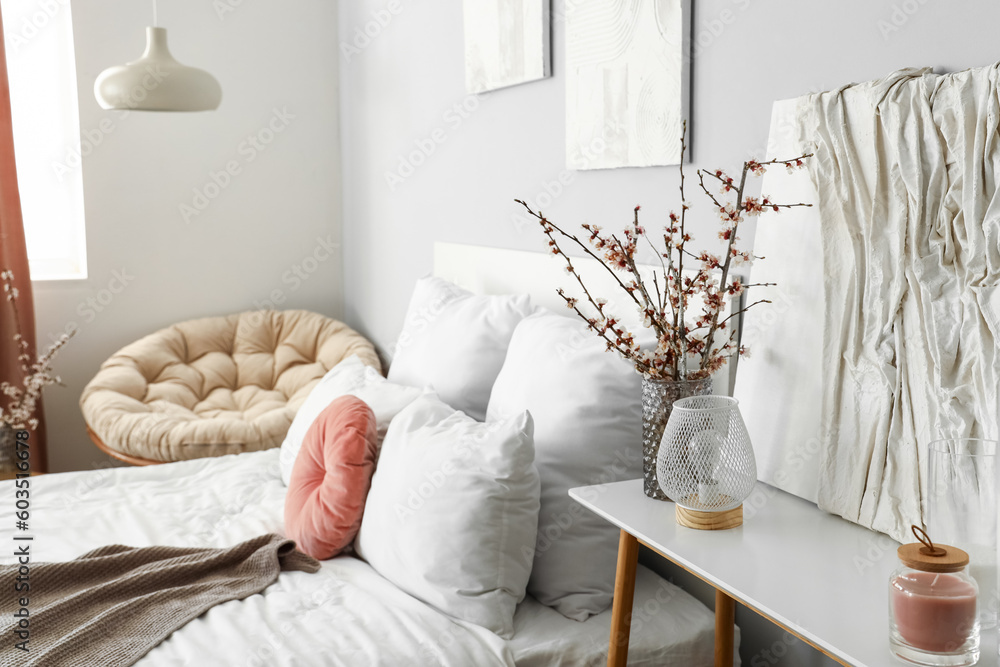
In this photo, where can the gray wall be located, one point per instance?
(406, 80)
(237, 253)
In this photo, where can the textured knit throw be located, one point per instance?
(113, 605)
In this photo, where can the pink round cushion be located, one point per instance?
(331, 477)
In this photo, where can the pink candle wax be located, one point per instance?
(934, 612)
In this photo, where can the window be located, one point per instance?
(41, 68)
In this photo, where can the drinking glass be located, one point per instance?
(961, 510)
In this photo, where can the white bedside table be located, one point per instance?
(821, 578)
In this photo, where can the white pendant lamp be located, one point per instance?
(157, 82)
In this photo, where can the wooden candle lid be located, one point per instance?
(929, 557)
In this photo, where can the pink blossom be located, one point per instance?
(711, 285)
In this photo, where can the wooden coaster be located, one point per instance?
(709, 520)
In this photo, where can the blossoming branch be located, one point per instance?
(38, 374)
(663, 302)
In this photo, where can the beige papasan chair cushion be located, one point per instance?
(215, 386)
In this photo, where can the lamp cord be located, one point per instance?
(154, 14)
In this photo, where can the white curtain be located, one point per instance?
(906, 170)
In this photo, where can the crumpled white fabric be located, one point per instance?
(906, 169)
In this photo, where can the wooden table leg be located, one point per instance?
(725, 623)
(621, 611)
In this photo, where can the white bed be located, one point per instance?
(346, 614)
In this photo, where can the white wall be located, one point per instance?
(267, 55)
(408, 81)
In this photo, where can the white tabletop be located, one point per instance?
(823, 577)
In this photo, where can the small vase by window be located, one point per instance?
(658, 398)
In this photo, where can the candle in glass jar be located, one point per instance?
(934, 611)
(933, 605)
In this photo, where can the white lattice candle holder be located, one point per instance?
(706, 463)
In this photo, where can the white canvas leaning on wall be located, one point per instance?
(779, 385)
(626, 82)
(506, 43)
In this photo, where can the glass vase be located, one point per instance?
(658, 398)
(961, 509)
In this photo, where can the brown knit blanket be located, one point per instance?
(113, 605)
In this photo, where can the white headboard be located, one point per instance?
(496, 271)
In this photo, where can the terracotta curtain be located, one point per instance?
(14, 257)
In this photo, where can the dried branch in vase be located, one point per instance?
(706, 340)
(21, 402)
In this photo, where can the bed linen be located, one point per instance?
(333, 473)
(113, 605)
(669, 629)
(588, 430)
(346, 614)
(452, 513)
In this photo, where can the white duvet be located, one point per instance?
(344, 615)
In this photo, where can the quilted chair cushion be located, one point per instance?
(215, 386)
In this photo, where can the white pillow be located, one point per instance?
(454, 342)
(452, 510)
(586, 403)
(350, 376)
